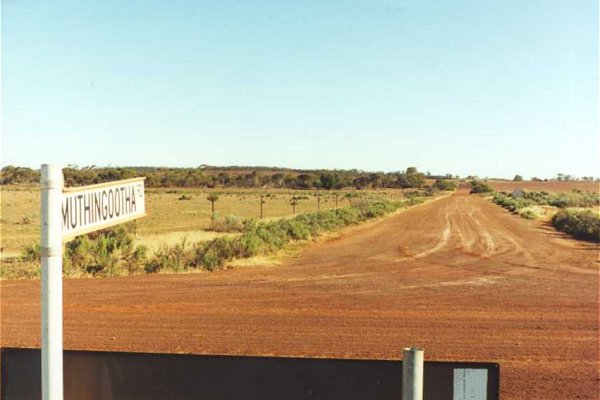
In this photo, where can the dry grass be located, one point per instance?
(169, 219)
(19, 218)
(549, 186)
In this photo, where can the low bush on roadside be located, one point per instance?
(444, 184)
(231, 224)
(510, 203)
(107, 252)
(168, 258)
(575, 198)
(520, 198)
(528, 214)
(581, 224)
(265, 238)
(480, 187)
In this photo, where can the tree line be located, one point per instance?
(236, 177)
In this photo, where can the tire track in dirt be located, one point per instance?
(441, 243)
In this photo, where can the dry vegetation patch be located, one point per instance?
(168, 213)
(182, 231)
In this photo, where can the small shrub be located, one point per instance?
(528, 214)
(480, 187)
(444, 184)
(31, 253)
(230, 223)
(213, 254)
(108, 252)
(581, 224)
(168, 258)
(210, 260)
(296, 230)
(248, 245)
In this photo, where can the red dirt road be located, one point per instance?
(458, 276)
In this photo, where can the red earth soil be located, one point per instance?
(458, 276)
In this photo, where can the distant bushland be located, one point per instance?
(227, 177)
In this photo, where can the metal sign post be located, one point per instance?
(51, 251)
(67, 213)
(412, 374)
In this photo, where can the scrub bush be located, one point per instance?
(581, 224)
(480, 187)
(264, 238)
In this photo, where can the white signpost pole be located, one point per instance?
(412, 374)
(51, 251)
(67, 213)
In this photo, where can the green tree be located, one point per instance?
(329, 180)
(278, 180)
(518, 178)
(411, 178)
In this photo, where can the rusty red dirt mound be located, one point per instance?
(458, 276)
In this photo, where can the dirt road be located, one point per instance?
(458, 276)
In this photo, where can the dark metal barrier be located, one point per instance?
(111, 375)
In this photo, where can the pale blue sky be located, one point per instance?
(491, 88)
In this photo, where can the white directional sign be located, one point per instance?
(470, 384)
(90, 208)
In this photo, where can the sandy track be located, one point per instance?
(459, 276)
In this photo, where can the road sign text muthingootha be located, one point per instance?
(90, 208)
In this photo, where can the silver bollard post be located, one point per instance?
(51, 184)
(412, 374)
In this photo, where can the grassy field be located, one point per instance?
(169, 219)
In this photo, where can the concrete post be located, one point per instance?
(51, 251)
(412, 374)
